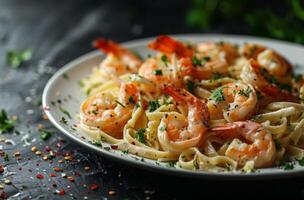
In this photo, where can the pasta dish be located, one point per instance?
(211, 106)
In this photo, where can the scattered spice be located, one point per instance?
(57, 169)
(87, 168)
(94, 187)
(40, 176)
(71, 178)
(34, 149)
(1, 169)
(61, 192)
(112, 192)
(217, 95)
(114, 146)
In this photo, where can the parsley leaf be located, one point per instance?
(288, 166)
(277, 144)
(217, 95)
(158, 72)
(45, 134)
(64, 111)
(164, 58)
(153, 105)
(246, 92)
(191, 86)
(16, 58)
(140, 135)
(6, 124)
(301, 162)
(96, 143)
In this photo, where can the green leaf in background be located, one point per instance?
(267, 19)
(16, 58)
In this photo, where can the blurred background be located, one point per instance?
(37, 37)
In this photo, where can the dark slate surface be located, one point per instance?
(59, 31)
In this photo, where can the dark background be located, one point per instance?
(59, 31)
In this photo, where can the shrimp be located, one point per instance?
(168, 69)
(104, 112)
(233, 101)
(258, 145)
(269, 59)
(119, 60)
(255, 75)
(222, 51)
(169, 46)
(177, 134)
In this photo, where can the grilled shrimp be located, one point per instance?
(255, 75)
(233, 101)
(119, 60)
(104, 112)
(175, 133)
(258, 144)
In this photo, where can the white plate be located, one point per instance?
(59, 87)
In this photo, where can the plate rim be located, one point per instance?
(144, 165)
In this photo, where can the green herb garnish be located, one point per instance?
(216, 76)
(301, 162)
(171, 164)
(140, 135)
(16, 58)
(164, 58)
(288, 166)
(162, 128)
(153, 105)
(45, 134)
(196, 61)
(125, 151)
(6, 157)
(191, 86)
(246, 92)
(131, 100)
(64, 111)
(297, 77)
(158, 72)
(217, 95)
(96, 143)
(65, 76)
(6, 124)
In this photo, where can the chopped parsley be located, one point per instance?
(63, 120)
(271, 79)
(217, 95)
(64, 111)
(288, 166)
(131, 100)
(45, 134)
(125, 151)
(164, 58)
(153, 105)
(158, 72)
(216, 76)
(246, 92)
(16, 58)
(65, 76)
(6, 157)
(140, 135)
(301, 162)
(96, 143)
(171, 164)
(197, 61)
(120, 103)
(6, 124)
(191, 86)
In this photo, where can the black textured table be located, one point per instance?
(57, 32)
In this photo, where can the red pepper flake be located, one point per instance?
(48, 149)
(94, 187)
(3, 195)
(53, 175)
(57, 169)
(61, 192)
(114, 146)
(71, 178)
(1, 169)
(39, 176)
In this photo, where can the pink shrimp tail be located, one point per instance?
(168, 45)
(107, 46)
